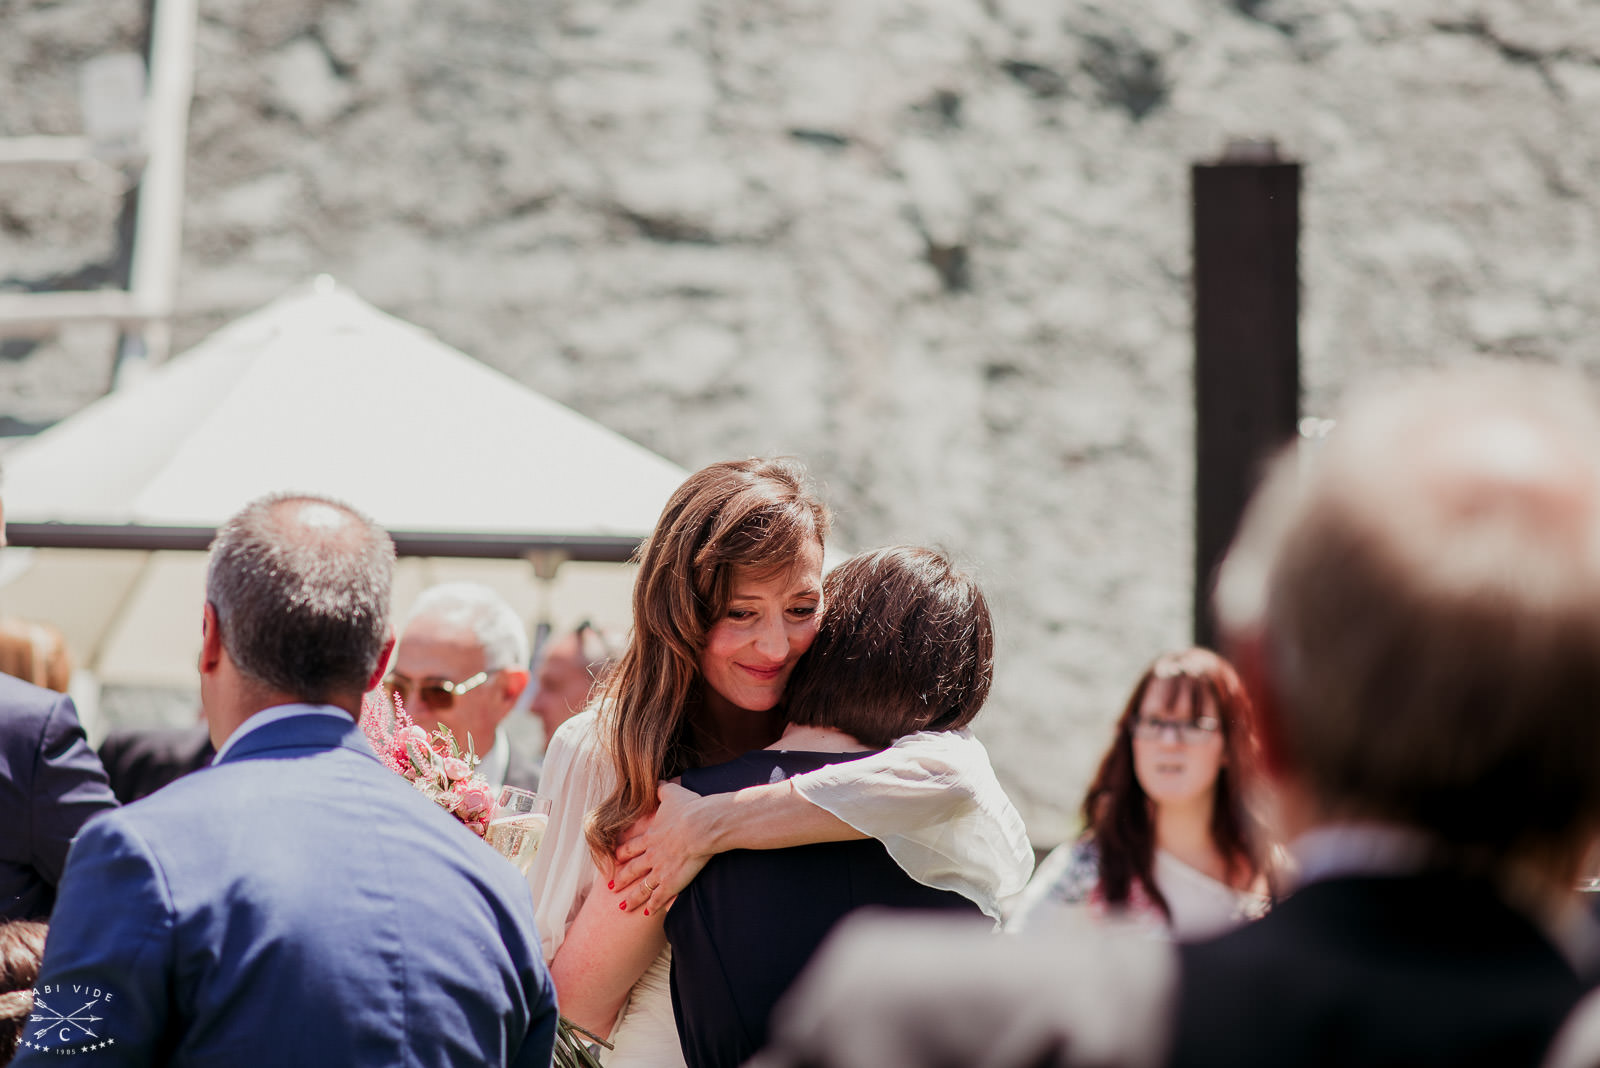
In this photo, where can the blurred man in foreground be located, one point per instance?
(1416, 612)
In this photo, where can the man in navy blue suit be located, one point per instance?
(51, 783)
(296, 902)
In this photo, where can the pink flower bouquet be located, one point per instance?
(434, 763)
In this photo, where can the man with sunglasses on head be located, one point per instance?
(461, 665)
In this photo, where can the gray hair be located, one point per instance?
(301, 586)
(1426, 595)
(482, 611)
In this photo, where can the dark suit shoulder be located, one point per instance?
(26, 711)
(1375, 971)
(140, 761)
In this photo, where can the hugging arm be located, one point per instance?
(931, 798)
(605, 952)
(666, 852)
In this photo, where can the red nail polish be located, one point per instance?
(623, 905)
(612, 885)
(647, 912)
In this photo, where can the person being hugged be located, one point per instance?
(907, 645)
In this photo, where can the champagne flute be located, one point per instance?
(518, 825)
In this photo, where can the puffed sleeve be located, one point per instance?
(576, 778)
(107, 968)
(933, 800)
(69, 787)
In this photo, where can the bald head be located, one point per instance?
(301, 586)
(1425, 592)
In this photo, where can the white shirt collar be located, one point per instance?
(494, 764)
(273, 715)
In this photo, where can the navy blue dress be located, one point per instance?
(750, 921)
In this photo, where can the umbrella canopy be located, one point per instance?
(321, 392)
(318, 392)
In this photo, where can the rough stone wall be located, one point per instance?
(937, 248)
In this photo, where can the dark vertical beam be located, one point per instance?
(1246, 341)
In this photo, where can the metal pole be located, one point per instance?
(153, 276)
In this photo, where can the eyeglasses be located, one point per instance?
(437, 695)
(1153, 729)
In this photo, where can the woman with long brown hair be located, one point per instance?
(726, 601)
(1167, 836)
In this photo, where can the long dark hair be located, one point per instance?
(756, 514)
(1116, 810)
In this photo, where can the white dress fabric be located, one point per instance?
(931, 798)
(1069, 880)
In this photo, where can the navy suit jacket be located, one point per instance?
(140, 761)
(51, 783)
(295, 903)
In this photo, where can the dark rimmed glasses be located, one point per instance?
(436, 695)
(1154, 728)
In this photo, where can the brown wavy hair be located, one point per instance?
(756, 515)
(1116, 810)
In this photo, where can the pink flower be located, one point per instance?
(413, 735)
(456, 769)
(476, 800)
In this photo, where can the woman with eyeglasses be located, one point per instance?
(727, 600)
(1168, 838)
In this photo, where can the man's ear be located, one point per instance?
(1248, 654)
(210, 640)
(383, 663)
(515, 680)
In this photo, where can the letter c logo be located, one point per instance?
(64, 1035)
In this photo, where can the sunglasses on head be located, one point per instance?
(436, 695)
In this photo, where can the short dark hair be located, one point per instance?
(301, 585)
(21, 949)
(906, 644)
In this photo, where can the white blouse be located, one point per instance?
(932, 799)
(1069, 879)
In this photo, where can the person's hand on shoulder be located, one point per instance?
(663, 852)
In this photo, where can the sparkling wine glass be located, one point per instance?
(518, 824)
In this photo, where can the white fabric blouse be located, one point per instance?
(1069, 879)
(932, 799)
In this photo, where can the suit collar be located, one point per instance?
(303, 729)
